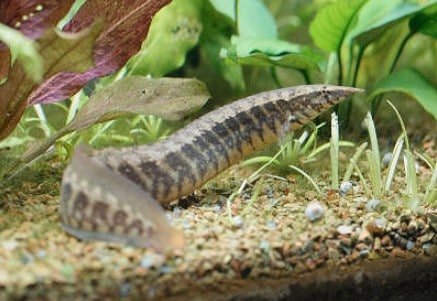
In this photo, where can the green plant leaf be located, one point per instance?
(226, 7)
(329, 27)
(255, 20)
(412, 83)
(24, 50)
(216, 35)
(168, 98)
(272, 52)
(174, 31)
(425, 22)
(376, 17)
(248, 11)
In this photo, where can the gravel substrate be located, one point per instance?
(267, 248)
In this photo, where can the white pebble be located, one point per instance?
(346, 187)
(387, 158)
(271, 225)
(238, 221)
(314, 211)
(152, 260)
(410, 245)
(373, 204)
(264, 245)
(344, 229)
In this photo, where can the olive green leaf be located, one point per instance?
(272, 52)
(168, 98)
(412, 83)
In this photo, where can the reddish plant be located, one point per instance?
(125, 26)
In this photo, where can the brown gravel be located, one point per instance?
(268, 239)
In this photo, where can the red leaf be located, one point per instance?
(126, 25)
(32, 18)
(74, 53)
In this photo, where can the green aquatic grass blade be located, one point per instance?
(373, 141)
(393, 162)
(410, 174)
(326, 146)
(307, 176)
(431, 194)
(374, 173)
(353, 161)
(362, 179)
(334, 150)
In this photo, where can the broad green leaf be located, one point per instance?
(329, 27)
(168, 98)
(412, 83)
(376, 17)
(226, 7)
(72, 52)
(216, 35)
(174, 31)
(255, 20)
(425, 22)
(24, 50)
(271, 52)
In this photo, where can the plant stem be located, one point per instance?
(340, 66)
(357, 65)
(236, 15)
(399, 52)
(306, 76)
(275, 78)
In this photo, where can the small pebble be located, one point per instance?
(430, 250)
(372, 205)
(365, 236)
(186, 224)
(346, 188)
(387, 158)
(344, 229)
(216, 208)
(314, 211)
(238, 221)
(410, 245)
(264, 245)
(151, 260)
(364, 253)
(125, 289)
(10, 244)
(271, 225)
(166, 269)
(377, 226)
(377, 244)
(41, 254)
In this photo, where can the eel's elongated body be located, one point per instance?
(111, 194)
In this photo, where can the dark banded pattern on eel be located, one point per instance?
(113, 194)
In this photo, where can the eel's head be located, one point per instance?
(98, 204)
